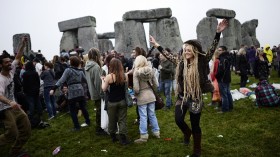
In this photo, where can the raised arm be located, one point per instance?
(161, 50)
(221, 27)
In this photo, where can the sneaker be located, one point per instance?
(84, 125)
(51, 118)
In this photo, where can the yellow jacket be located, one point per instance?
(269, 54)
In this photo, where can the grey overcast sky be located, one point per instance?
(40, 18)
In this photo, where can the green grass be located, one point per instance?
(247, 131)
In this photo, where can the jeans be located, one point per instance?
(147, 111)
(17, 129)
(227, 102)
(252, 67)
(50, 102)
(165, 86)
(117, 113)
(35, 108)
(73, 112)
(173, 85)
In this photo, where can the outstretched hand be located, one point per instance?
(152, 40)
(222, 25)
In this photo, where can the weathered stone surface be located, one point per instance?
(147, 15)
(105, 45)
(238, 37)
(109, 35)
(69, 40)
(16, 41)
(87, 38)
(229, 42)
(87, 21)
(249, 27)
(168, 34)
(206, 30)
(129, 34)
(247, 40)
(220, 13)
(255, 41)
(249, 33)
(232, 35)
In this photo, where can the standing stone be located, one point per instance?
(249, 31)
(220, 13)
(120, 42)
(168, 34)
(206, 30)
(87, 38)
(232, 35)
(68, 41)
(105, 45)
(129, 34)
(153, 29)
(87, 21)
(238, 37)
(17, 39)
(148, 15)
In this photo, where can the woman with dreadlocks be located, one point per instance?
(191, 75)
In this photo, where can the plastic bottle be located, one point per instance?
(57, 150)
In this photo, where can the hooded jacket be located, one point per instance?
(269, 54)
(93, 73)
(74, 78)
(143, 92)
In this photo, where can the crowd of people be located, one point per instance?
(65, 84)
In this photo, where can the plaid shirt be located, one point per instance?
(266, 95)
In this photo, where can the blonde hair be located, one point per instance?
(241, 51)
(140, 61)
(191, 87)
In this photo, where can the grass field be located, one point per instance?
(246, 131)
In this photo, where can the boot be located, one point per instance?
(114, 137)
(187, 135)
(196, 145)
(142, 139)
(156, 134)
(124, 140)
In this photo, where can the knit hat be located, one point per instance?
(195, 43)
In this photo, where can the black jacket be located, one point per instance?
(224, 74)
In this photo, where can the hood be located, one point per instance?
(75, 71)
(265, 46)
(90, 64)
(145, 73)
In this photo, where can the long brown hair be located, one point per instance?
(116, 68)
(140, 51)
(94, 55)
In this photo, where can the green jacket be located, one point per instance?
(93, 75)
(167, 70)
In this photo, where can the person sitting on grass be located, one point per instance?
(266, 95)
